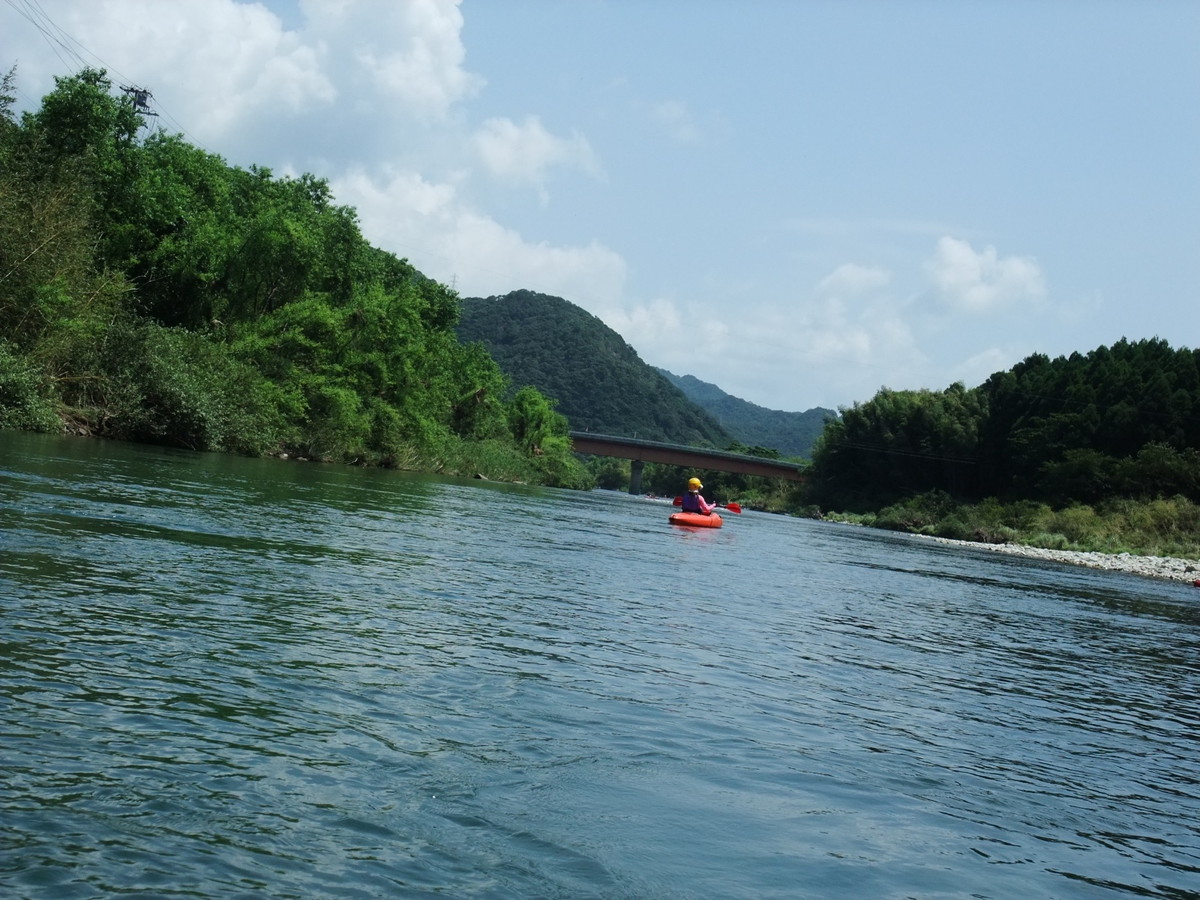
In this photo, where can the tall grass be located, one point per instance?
(1160, 527)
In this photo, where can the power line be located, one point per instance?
(895, 451)
(71, 52)
(59, 41)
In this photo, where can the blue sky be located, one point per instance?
(801, 202)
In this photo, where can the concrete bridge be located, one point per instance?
(642, 452)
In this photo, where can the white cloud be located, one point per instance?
(445, 237)
(982, 281)
(522, 153)
(236, 80)
(412, 52)
(187, 59)
(843, 343)
(853, 280)
(657, 321)
(980, 366)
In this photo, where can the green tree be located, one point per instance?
(534, 422)
(55, 295)
(898, 444)
(82, 126)
(1073, 420)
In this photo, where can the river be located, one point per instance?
(223, 677)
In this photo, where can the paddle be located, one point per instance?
(732, 507)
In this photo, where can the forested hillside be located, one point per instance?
(599, 381)
(789, 433)
(151, 292)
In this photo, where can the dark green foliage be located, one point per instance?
(610, 473)
(169, 386)
(599, 381)
(26, 401)
(897, 444)
(920, 514)
(1121, 421)
(791, 433)
(1113, 401)
(160, 295)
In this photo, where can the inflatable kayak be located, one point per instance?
(696, 520)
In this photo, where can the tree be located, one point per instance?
(897, 444)
(54, 292)
(533, 420)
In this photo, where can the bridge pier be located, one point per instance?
(635, 476)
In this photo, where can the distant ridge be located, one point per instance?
(599, 381)
(791, 433)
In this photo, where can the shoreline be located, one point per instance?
(1186, 571)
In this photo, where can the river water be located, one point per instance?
(223, 677)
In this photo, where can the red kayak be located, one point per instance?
(696, 520)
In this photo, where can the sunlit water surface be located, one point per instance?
(236, 678)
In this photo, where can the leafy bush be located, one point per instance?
(338, 427)
(610, 473)
(1079, 524)
(169, 386)
(919, 514)
(26, 401)
(1048, 541)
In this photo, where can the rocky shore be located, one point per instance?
(1185, 570)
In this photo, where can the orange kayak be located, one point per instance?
(696, 520)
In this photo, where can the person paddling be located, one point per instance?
(693, 502)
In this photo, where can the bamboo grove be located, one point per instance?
(151, 292)
(1120, 421)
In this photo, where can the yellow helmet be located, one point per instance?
(694, 483)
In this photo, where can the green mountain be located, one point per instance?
(599, 381)
(791, 433)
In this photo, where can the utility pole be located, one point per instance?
(140, 98)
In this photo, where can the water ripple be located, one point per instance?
(241, 678)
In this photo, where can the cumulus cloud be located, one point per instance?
(449, 239)
(524, 152)
(982, 281)
(236, 79)
(658, 321)
(847, 338)
(412, 52)
(189, 59)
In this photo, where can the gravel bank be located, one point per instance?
(1186, 570)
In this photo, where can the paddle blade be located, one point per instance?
(734, 508)
(678, 501)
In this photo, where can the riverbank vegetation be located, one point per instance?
(1095, 451)
(151, 292)
(1092, 452)
(1168, 526)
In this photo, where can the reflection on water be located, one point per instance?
(226, 677)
